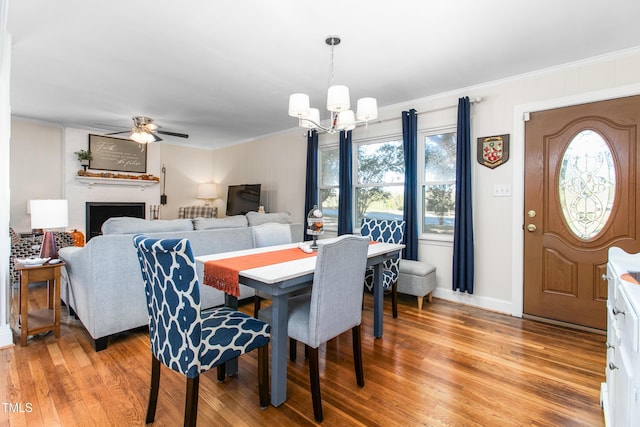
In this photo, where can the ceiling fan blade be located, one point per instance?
(116, 133)
(179, 135)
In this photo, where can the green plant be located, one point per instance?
(83, 155)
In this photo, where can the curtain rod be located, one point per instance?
(476, 100)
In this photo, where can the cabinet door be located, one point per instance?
(622, 396)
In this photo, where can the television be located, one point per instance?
(242, 199)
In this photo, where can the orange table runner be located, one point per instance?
(632, 277)
(223, 273)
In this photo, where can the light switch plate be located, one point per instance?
(501, 190)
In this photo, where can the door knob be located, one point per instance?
(531, 228)
(531, 214)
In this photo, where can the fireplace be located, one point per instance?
(98, 212)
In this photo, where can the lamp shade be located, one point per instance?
(299, 105)
(206, 191)
(367, 109)
(312, 120)
(346, 120)
(338, 98)
(49, 214)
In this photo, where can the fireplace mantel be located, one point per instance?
(91, 181)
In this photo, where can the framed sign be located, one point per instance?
(493, 151)
(117, 154)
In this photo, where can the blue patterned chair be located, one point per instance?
(333, 307)
(389, 231)
(182, 337)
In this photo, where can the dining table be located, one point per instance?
(279, 280)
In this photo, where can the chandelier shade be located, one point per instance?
(313, 117)
(338, 104)
(299, 105)
(346, 120)
(367, 109)
(338, 98)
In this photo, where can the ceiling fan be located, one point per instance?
(144, 130)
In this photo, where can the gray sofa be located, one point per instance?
(102, 282)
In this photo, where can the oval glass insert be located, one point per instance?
(586, 184)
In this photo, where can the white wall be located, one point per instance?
(186, 168)
(497, 219)
(276, 162)
(36, 156)
(6, 336)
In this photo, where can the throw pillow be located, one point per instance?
(235, 221)
(129, 225)
(256, 218)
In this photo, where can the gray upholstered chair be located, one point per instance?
(268, 234)
(197, 212)
(334, 306)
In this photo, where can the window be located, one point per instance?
(378, 180)
(439, 183)
(328, 161)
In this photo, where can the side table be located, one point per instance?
(42, 320)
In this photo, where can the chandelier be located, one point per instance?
(338, 103)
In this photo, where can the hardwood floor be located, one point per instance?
(447, 365)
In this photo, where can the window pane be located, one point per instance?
(438, 208)
(587, 184)
(329, 162)
(440, 157)
(329, 206)
(379, 202)
(380, 163)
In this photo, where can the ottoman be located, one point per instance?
(417, 278)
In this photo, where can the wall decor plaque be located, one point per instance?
(493, 151)
(117, 154)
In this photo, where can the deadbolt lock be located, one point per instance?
(531, 227)
(531, 214)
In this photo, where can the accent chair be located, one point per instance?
(389, 231)
(185, 339)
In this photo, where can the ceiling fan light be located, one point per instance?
(136, 136)
(346, 120)
(367, 109)
(312, 120)
(299, 105)
(338, 98)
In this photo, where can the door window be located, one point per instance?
(587, 184)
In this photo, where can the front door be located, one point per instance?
(581, 171)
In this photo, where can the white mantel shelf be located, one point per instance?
(91, 181)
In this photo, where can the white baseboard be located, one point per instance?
(502, 306)
(6, 336)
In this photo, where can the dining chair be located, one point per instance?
(388, 231)
(184, 338)
(268, 234)
(333, 307)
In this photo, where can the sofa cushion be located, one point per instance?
(235, 221)
(256, 218)
(129, 225)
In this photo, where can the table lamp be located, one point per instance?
(47, 214)
(207, 192)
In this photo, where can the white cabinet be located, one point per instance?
(620, 395)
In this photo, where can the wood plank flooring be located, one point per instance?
(447, 365)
